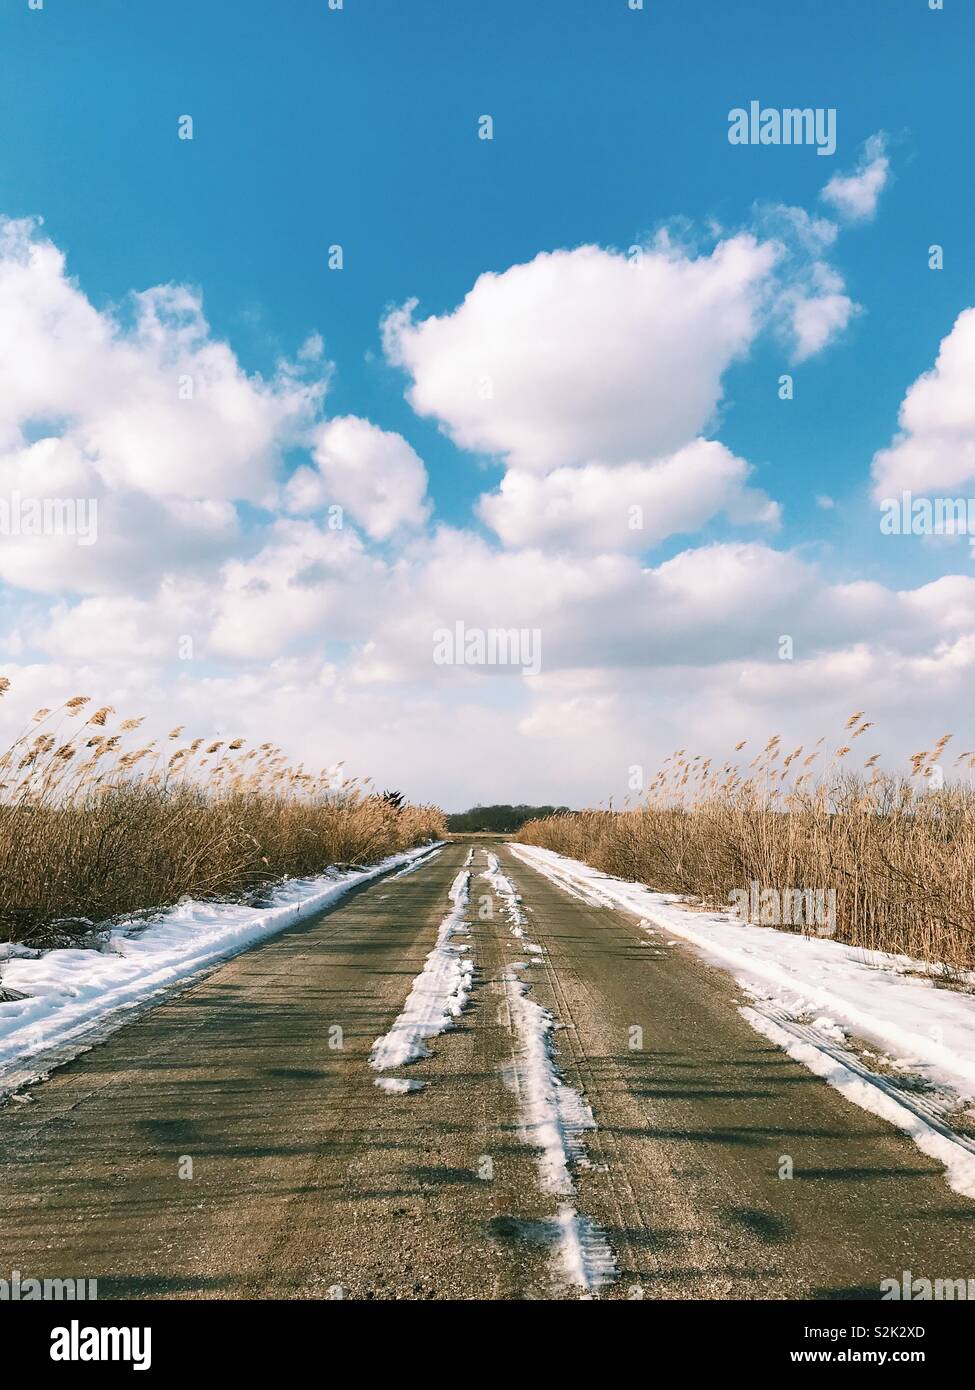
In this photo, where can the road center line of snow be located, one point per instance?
(554, 1119)
(554, 1114)
(439, 992)
(510, 898)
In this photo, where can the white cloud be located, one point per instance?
(635, 661)
(307, 583)
(118, 629)
(855, 196)
(603, 373)
(305, 492)
(373, 474)
(142, 413)
(159, 406)
(135, 536)
(629, 507)
(935, 448)
(586, 355)
(818, 312)
(139, 409)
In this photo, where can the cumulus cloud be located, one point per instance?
(306, 582)
(855, 196)
(817, 311)
(129, 538)
(117, 630)
(157, 404)
(140, 409)
(720, 602)
(592, 376)
(371, 473)
(630, 507)
(935, 446)
(585, 355)
(635, 660)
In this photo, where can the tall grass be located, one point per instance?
(899, 851)
(96, 824)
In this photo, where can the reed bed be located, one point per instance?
(898, 851)
(97, 824)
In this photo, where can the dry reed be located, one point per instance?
(899, 851)
(96, 824)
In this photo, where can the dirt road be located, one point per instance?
(233, 1142)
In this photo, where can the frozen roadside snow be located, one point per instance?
(891, 1001)
(959, 1162)
(75, 995)
(829, 991)
(418, 863)
(439, 992)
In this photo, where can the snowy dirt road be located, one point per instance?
(436, 1090)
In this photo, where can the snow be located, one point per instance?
(417, 864)
(892, 1001)
(439, 992)
(74, 995)
(586, 1257)
(554, 1115)
(510, 900)
(829, 992)
(959, 1163)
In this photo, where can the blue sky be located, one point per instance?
(358, 126)
(314, 126)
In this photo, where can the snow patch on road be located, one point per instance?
(587, 1260)
(72, 996)
(554, 1118)
(555, 1115)
(396, 1086)
(511, 904)
(439, 992)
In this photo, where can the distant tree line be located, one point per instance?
(503, 819)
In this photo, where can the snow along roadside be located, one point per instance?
(438, 996)
(829, 988)
(554, 1114)
(74, 997)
